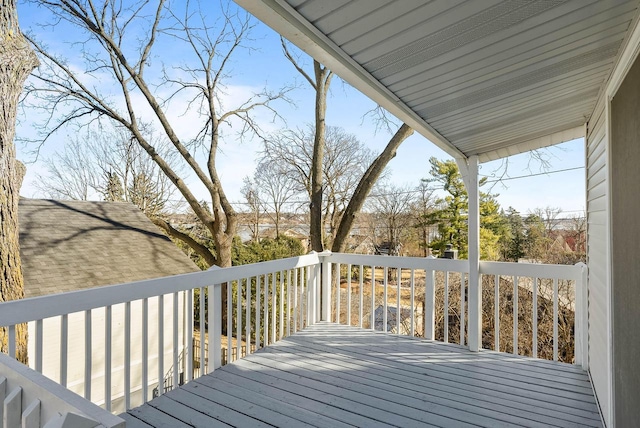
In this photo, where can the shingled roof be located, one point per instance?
(73, 245)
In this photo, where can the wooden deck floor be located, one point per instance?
(337, 376)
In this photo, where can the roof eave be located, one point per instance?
(284, 19)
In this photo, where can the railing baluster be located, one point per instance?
(176, 341)
(317, 277)
(215, 325)
(515, 315)
(39, 335)
(384, 302)
(296, 306)
(349, 294)
(127, 355)
(229, 309)
(160, 344)
(238, 318)
(107, 358)
(273, 291)
(413, 304)
(64, 348)
(398, 306)
(281, 306)
(534, 322)
(301, 310)
(247, 329)
(203, 331)
(430, 305)
(145, 350)
(496, 313)
(289, 308)
(265, 310)
(338, 299)
(12, 341)
(446, 306)
(361, 293)
(463, 298)
(372, 315)
(258, 319)
(187, 360)
(555, 319)
(88, 351)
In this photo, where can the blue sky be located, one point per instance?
(266, 66)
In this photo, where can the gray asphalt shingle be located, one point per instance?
(73, 245)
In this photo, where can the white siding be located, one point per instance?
(76, 350)
(598, 257)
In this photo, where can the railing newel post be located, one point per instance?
(325, 274)
(429, 302)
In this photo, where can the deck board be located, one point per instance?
(336, 376)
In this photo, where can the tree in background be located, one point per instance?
(423, 205)
(291, 154)
(17, 61)
(274, 190)
(391, 206)
(113, 191)
(512, 242)
(451, 216)
(341, 221)
(251, 194)
(120, 42)
(113, 166)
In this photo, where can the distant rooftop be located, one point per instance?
(73, 245)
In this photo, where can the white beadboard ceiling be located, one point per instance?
(483, 77)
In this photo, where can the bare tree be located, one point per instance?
(17, 61)
(111, 159)
(345, 159)
(118, 52)
(423, 204)
(320, 82)
(275, 190)
(254, 207)
(391, 205)
(340, 224)
(70, 173)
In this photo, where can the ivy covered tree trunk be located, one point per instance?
(17, 60)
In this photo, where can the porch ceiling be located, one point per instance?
(489, 78)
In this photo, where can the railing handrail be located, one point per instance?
(532, 270)
(25, 310)
(399, 262)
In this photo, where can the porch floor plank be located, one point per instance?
(330, 375)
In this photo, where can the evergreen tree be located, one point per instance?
(451, 217)
(113, 190)
(513, 241)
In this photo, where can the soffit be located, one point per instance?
(489, 78)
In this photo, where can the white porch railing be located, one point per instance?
(117, 343)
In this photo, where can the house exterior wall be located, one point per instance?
(597, 184)
(625, 251)
(76, 350)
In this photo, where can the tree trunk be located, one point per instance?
(17, 60)
(365, 185)
(316, 232)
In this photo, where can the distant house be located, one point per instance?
(75, 245)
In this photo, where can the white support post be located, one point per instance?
(325, 304)
(469, 170)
